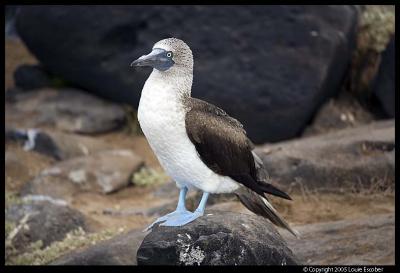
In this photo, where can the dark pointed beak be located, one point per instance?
(135, 63)
(142, 61)
(156, 59)
(150, 59)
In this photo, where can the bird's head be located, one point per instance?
(166, 55)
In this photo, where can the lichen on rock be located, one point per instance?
(188, 254)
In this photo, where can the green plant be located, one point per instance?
(148, 176)
(12, 199)
(375, 28)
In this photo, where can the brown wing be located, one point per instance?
(222, 144)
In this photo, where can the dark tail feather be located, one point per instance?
(260, 206)
(259, 186)
(268, 188)
(263, 177)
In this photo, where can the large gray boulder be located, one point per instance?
(349, 159)
(66, 109)
(102, 172)
(269, 66)
(217, 239)
(362, 241)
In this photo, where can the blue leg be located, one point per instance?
(187, 218)
(179, 212)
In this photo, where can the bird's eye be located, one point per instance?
(169, 54)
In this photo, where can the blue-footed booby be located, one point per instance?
(198, 144)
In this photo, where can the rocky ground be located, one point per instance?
(81, 183)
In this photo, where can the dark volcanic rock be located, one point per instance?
(364, 241)
(215, 239)
(31, 77)
(36, 140)
(55, 144)
(120, 250)
(69, 110)
(46, 219)
(269, 66)
(346, 159)
(384, 87)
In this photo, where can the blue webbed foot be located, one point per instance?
(170, 216)
(181, 216)
(182, 219)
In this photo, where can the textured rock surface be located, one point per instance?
(339, 113)
(44, 219)
(120, 250)
(215, 239)
(384, 87)
(336, 242)
(69, 110)
(55, 144)
(267, 74)
(347, 158)
(102, 172)
(365, 241)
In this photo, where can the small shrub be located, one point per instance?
(147, 176)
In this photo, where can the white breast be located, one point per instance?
(162, 118)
